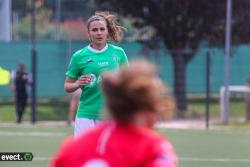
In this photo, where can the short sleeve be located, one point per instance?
(163, 155)
(123, 58)
(73, 68)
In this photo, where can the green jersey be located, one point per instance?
(94, 62)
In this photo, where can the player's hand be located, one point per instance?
(83, 80)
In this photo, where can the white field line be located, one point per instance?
(241, 160)
(186, 159)
(33, 134)
(42, 158)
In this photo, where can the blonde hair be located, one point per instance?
(114, 29)
(133, 88)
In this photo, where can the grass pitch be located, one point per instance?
(195, 148)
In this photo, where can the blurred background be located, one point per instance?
(184, 38)
(201, 48)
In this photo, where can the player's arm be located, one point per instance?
(71, 84)
(29, 80)
(12, 80)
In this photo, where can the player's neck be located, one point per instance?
(143, 120)
(98, 46)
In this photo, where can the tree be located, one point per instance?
(183, 25)
(72, 14)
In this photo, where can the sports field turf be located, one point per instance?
(195, 148)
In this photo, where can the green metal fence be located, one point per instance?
(53, 58)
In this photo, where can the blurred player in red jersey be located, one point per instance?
(134, 97)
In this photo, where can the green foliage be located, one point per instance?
(45, 28)
(57, 109)
(142, 34)
(183, 25)
(197, 108)
(48, 110)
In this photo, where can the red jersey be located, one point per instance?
(114, 145)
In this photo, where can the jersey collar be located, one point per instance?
(98, 51)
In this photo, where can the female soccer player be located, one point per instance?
(134, 97)
(87, 64)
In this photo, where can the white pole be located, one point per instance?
(58, 18)
(5, 20)
(227, 60)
